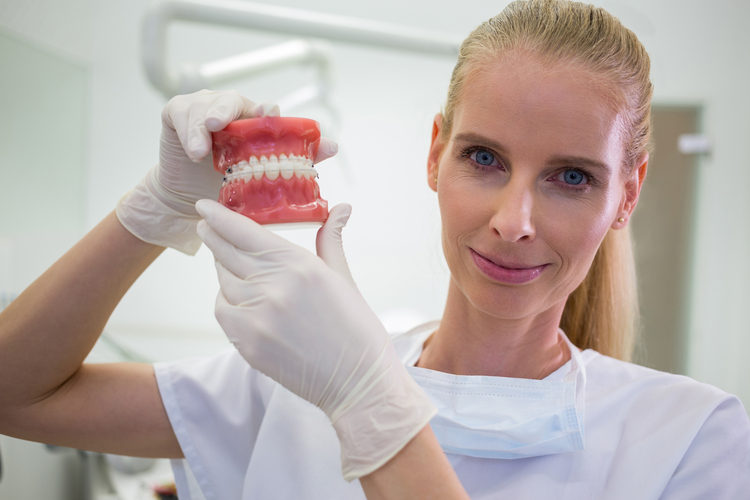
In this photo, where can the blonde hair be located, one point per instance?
(602, 313)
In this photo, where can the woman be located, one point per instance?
(537, 161)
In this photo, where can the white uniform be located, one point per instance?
(648, 435)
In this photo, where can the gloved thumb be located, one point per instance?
(329, 244)
(326, 149)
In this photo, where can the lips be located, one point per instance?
(506, 271)
(268, 170)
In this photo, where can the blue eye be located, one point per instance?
(573, 177)
(484, 157)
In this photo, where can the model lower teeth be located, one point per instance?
(272, 167)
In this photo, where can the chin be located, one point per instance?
(506, 302)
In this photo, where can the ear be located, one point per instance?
(436, 151)
(633, 186)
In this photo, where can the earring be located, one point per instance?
(621, 219)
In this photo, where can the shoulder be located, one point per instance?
(682, 420)
(693, 435)
(609, 378)
(650, 395)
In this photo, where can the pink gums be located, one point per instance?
(270, 201)
(273, 201)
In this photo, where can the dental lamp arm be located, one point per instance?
(170, 79)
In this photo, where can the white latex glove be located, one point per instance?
(294, 318)
(161, 208)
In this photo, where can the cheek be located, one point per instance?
(454, 216)
(462, 214)
(465, 211)
(575, 234)
(460, 208)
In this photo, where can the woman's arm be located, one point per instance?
(46, 394)
(419, 471)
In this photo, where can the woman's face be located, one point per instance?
(529, 183)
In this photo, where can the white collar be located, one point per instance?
(501, 417)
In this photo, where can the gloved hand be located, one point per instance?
(294, 318)
(161, 208)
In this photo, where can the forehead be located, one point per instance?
(533, 107)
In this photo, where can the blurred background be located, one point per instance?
(79, 127)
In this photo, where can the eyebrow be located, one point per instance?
(579, 161)
(472, 137)
(575, 161)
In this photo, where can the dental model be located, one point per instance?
(268, 170)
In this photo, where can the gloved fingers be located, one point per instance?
(210, 113)
(196, 115)
(239, 329)
(329, 243)
(240, 262)
(184, 114)
(229, 255)
(265, 109)
(241, 231)
(326, 149)
(227, 107)
(240, 291)
(254, 335)
(249, 317)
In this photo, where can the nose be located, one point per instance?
(514, 207)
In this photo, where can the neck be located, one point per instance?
(472, 342)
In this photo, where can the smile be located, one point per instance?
(514, 274)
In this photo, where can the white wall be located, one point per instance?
(387, 100)
(43, 150)
(60, 27)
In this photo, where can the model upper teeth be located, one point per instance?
(273, 167)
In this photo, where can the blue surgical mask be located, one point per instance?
(499, 417)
